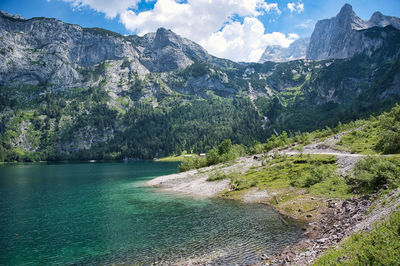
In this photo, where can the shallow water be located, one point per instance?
(100, 213)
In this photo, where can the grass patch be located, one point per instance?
(302, 171)
(296, 182)
(379, 247)
(334, 187)
(177, 158)
(360, 141)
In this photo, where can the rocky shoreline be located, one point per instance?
(337, 222)
(325, 229)
(325, 225)
(342, 219)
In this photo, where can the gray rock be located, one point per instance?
(343, 36)
(48, 51)
(295, 51)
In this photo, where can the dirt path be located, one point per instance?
(354, 155)
(195, 182)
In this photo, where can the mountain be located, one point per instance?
(344, 35)
(295, 51)
(68, 92)
(48, 51)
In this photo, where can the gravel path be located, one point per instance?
(194, 182)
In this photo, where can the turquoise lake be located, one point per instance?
(101, 213)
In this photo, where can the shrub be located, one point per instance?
(225, 147)
(310, 176)
(389, 137)
(192, 163)
(373, 173)
(212, 157)
(255, 148)
(225, 152)
(389, 142)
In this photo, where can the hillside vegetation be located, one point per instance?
(292, 174)
(161, 115)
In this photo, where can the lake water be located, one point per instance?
(101, 213)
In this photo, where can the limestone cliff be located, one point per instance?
(344, 35)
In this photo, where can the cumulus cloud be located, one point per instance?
(245, 41)
(296, 7)
(194, 18)
(212, 24)
(111, 8)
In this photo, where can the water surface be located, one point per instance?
(100, 213)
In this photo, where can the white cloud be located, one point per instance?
(296, 7)
(245, 41)
(111, 8)
(210, 23)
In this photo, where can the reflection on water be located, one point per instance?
(101, 214)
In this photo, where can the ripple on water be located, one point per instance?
(100, 214)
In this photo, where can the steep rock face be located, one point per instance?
(380, 20)
(166, 51)
(94, 94)
(47, 51)
(343, 36)
(295, 51)
(361, 76)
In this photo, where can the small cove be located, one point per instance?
(100, 213)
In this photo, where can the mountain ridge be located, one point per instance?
(333, 38)
(76, 46)
(342, 36)
(72, 93)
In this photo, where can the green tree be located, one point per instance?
(389, 136)
(212, 157)
(225, 147)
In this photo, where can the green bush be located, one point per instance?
(373, 173)
(192, 163)
(389, 136)
(311, 175)
(255, 147)
(225, 147)
(277, 141)
(212, 157)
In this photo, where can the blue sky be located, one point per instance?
(235, 29)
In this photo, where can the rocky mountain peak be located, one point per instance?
(165, 38)
(346, 10)
(347, 18)
(376, 17)
(167, 51)
(379, 20)
(342, 36)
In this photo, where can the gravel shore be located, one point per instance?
(333, 221)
